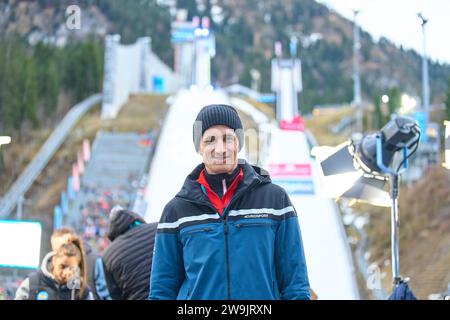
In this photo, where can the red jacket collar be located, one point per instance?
(218, 203)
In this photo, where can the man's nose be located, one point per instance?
(220, 147)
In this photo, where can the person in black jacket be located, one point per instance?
(128, 259)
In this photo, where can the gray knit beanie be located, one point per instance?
(217, 114)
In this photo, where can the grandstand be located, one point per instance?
(112, 176)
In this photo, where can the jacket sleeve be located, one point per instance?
(101, 286)
(292, 274)
(167, 272)
(23, 292)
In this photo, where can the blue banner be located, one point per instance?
(267, 98)
(420, 117)
(70, 190)
(158, 85)
(296, 187)
(64, 203)
(184, 35)
(57, 218)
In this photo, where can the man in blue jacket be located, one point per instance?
(230, 233)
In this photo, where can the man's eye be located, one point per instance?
(210, 140)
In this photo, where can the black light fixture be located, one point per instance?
(369, 163)
(376, 152)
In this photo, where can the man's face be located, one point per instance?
(219, 148)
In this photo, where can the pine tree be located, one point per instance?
(18, 90)
(48, 76)
(29, 99)
(83, 70)
(379, 118)
(2, 161)
(447, 102)
(394, 100)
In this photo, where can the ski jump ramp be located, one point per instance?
(328, 256)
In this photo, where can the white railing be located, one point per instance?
(9, 201)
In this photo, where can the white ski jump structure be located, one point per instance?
(131, 69)
(330, 267)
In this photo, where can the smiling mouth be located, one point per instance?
(221, 160)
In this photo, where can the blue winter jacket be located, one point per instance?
(253, 251)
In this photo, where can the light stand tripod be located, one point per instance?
(395, 224)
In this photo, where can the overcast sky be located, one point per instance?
(397, 20)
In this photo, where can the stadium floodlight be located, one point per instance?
(4, 140)
(425, 81)
(360, 170)
(198, 32)
(357, 99)
(421, 19)
(205, 32)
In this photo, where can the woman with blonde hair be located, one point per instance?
(62, 276)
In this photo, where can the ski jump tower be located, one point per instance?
(194, 44)
(286, 82)
(133, 68)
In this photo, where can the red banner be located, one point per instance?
(290, 169)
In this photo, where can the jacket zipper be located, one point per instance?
(225, 229)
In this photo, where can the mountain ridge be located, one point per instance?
(326, 59)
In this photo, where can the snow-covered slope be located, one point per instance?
(328, 255)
